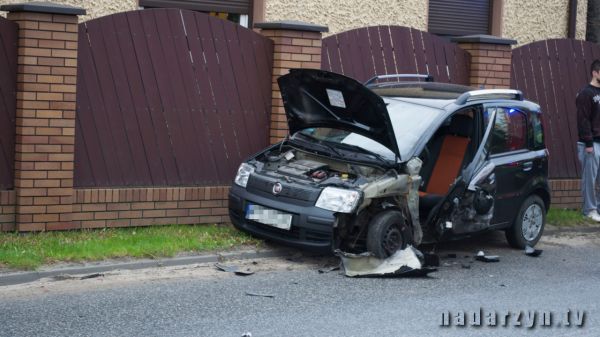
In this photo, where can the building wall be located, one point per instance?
(94, 8)
(344, 15)
(533, 20)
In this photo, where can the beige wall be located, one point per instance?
(94, 8)
(523, 20)
(342, 15)
(532, 20)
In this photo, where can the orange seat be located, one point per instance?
(448, 164)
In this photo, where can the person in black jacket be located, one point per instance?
(588, 146)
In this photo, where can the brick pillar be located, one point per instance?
(490, 60)
(295, 45)
(45, 116)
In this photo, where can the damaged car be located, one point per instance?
(379, 166)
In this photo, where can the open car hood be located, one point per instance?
(318, 98)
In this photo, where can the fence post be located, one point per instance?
(295, 45)
(490, 60)
(45, 115)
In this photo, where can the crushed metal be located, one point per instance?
(408, 262)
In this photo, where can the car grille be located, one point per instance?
(290, 191)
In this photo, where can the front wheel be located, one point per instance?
(388, 232)
(529, 224)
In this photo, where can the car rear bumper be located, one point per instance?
(312, 227)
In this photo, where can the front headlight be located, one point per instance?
(243, 173)
(338, 199)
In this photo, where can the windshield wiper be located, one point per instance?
(365, 151)
(322, 143)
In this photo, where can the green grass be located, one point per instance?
(31, 250)
(566, 217)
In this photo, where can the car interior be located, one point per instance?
(449, 151)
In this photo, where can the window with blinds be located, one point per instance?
(238, 11)
(459, 17)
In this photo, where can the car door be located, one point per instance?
(515, 160)
(469, 205)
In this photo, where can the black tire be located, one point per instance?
(387, 233)
(514, 234)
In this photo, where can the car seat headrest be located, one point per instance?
(461, 125)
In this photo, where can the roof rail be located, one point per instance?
(426, 77)
(488, 94)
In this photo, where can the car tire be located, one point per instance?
(387, 233)
(529, 224)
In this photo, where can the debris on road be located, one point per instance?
(233, 269)
(530, 251)
(486, 258)
(259, 295)
(91, 276)
(247, 334)
(465, 266)
(405, 262)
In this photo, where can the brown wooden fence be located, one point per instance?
(8, 80)
(364, 52)
(169, 97)
(551, 72)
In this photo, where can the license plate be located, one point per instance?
(268, 216)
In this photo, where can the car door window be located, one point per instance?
(509, 132)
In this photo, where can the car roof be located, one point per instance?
(448, 96)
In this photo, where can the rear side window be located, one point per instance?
(536, 131)
(509, 132)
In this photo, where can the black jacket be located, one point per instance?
(588, 115)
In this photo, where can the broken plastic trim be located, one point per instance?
(404, 263)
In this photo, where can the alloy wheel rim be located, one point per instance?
(532, 222)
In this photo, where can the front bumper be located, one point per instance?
(312, 227)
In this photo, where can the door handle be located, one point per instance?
(527, 166)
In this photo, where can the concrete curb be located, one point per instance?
(25, 277)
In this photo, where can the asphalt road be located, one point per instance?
(198, 301)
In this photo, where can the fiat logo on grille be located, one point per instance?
(277, 188)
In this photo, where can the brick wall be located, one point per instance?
(120, 207)
(45, 118)
(566, 193)
(7, 210)
(490, 60)
(295, 45)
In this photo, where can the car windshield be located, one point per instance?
(350, 138)
(410, 122)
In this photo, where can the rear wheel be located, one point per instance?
(529, 224)
(388, 232)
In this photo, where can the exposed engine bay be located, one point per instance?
(379, 190)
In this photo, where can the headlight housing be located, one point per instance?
(243, 173)
(338, 199)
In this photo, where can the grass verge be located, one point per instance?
(31, 250)
(566, 217)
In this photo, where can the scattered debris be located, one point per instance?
(502, 285)
(325, 270)
(405, 262)
(233, 269)
(486, 258)
(91, 276)
(465, 266)
(259, 295)
(247, 334)
(530, 251)
(297, 257)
